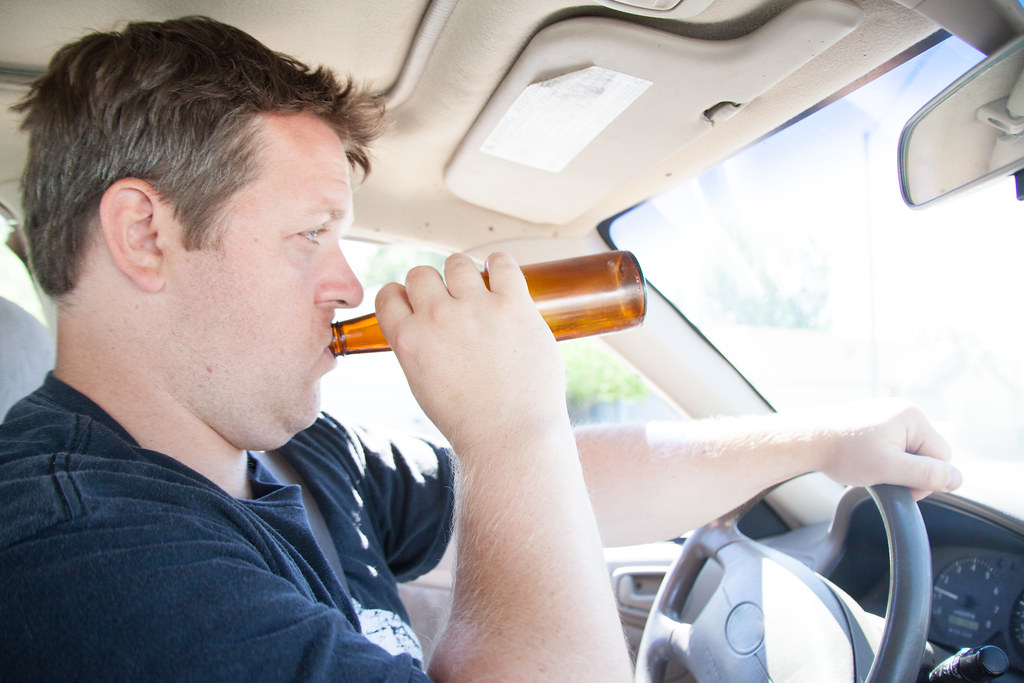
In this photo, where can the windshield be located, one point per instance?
(798, 259)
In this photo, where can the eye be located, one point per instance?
(314, 234)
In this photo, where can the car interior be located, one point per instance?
(823, 196)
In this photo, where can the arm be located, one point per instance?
(657, 481)
(532, 598)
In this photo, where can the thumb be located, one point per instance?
(924, 475)
(927, 459)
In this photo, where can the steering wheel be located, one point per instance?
(733, 609)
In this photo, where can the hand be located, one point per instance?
(481, 363)
(889, 442)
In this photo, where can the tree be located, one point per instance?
(594, 375)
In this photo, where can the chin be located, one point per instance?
(278, 430)
(331, 361)
(291, 412)
(308, 416)
(268, 441)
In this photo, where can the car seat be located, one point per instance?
(26, 353)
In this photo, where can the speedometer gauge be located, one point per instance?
(965, 603)
(1017, 623)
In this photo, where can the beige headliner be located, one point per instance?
(406, 197)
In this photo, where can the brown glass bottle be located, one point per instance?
(577, 297)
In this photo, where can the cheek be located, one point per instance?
(255, 304)
(220, 305)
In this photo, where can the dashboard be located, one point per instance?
(977, 574)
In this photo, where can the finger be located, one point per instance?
(392, 305)
(504, 274)
(924, 439)
(423, 285)
(462, 276)
(924, 475)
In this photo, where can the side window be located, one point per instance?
(601, 388)
(371, 389)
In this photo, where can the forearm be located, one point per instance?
(532, 598)
(658, 481)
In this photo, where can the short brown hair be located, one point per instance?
(173, 103)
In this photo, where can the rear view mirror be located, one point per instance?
(969, 134)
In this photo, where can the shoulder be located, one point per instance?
(38, 444)
(59, 465)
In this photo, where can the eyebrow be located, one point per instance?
(345, 217)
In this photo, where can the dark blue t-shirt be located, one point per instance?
(118, 562)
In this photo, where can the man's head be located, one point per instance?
(174, 104)
(185, 196)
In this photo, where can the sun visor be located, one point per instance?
(593, 102)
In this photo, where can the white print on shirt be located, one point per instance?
(386, 629)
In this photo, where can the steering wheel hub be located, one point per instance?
(744, 629)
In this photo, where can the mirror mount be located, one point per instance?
(999, 114)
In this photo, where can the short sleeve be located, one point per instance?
(398, 488)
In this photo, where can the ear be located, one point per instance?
(131, 219)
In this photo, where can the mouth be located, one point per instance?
(331, 339)
(327, 343)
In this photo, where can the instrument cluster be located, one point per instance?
(978, 599)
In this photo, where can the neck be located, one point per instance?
(128, 384)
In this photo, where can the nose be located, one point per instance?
(340, 284)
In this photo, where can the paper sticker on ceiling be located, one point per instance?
(553, 120)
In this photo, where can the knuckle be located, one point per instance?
(458, 262)
(500, 259)
(909, 409)
(420, 275)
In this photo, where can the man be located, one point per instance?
(184, 197)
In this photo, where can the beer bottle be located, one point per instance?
(577, 297)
